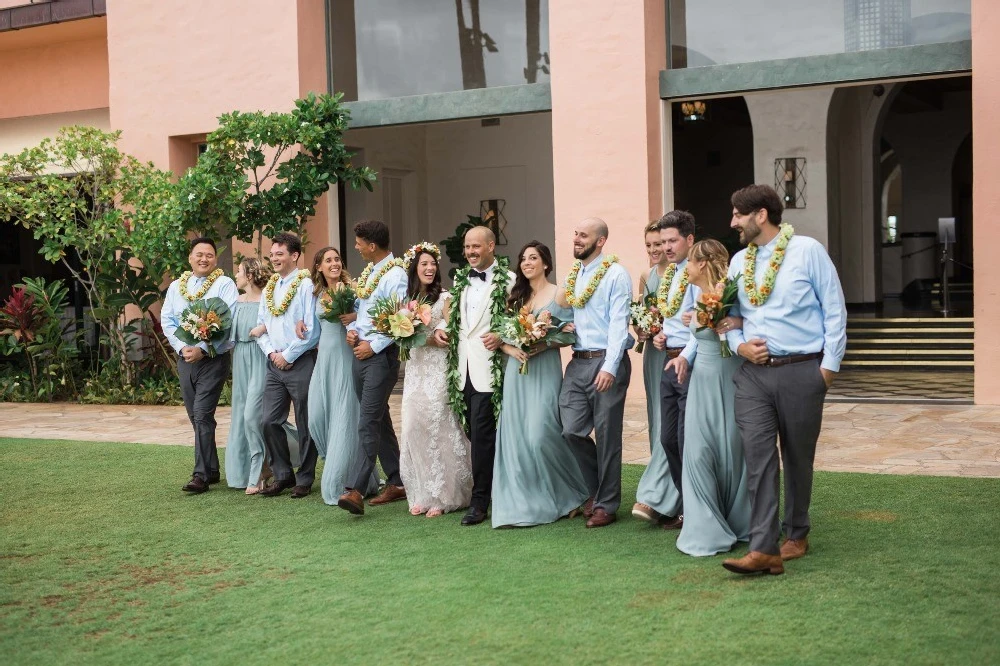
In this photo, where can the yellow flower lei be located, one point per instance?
(278, 310)
(182, 284)
(669, 308)
(595, 281)
(759, 295)
(363, 288)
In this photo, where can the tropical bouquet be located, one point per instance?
(646, 317)
(713, 306)
(406, 321)
(526, 329)
(336, 301)
(207, 321)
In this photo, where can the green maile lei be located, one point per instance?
(498, 309)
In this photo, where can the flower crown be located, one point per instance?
(419, 248)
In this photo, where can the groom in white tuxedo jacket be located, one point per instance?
(476, 345)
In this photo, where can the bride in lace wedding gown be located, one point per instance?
(434, 453)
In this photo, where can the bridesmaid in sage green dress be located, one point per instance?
(536, 478)
(714, 474)
(333, 404)
(245, 454)
(656, 495)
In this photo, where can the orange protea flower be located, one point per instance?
(704, 318)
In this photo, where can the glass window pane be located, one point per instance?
(394, 48)
(712, 32)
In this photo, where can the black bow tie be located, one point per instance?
(473, 273)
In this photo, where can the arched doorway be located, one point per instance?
(712, 158)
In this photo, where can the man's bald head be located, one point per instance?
(480, 243)
(589, 238)
(597, 226)
(482, 234)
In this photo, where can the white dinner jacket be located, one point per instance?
(473, 357)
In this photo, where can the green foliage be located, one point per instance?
(95, 209)
(454, 245)
(264, 172)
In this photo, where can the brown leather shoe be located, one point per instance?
(756, 562)
(601, 518)
(196, 485)
(793, 549)
(645, 512)
(352, 501)
(672, 522)
(389, 494)
(298, 492)
(588, 507)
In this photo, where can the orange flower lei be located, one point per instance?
(364, 289)
(571, 297)
(759, 295)
(669, 308)
(182, 283)
(278, 310)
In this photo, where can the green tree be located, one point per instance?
(103, 215)
(264, 172)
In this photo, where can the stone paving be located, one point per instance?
(945, 440)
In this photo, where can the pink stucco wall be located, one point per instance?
(986, 196)
(606, 123)
(175, 67)
(54, 69)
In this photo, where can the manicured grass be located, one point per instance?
(104, 560)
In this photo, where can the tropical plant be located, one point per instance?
(20, 321)
(263, 173)
(85, 200)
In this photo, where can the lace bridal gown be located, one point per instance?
(434, 453)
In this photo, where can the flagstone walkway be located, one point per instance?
(945, 440)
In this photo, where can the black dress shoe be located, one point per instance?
(275, 488)
(473, 516)
(195, 485)
(213, 477)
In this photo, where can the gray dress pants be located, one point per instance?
(201, 386)
(779, 409)
(374, 379)
(281, 389)
(583, 410)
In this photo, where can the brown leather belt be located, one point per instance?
(674, 352)
(597, 353)
(776, 361)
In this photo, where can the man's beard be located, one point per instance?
(585, 252)
(749, 233)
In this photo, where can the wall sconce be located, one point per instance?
(693, 111)
(790, 181)
(491, 213)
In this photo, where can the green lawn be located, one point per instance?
(104, 560)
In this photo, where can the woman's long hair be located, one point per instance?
(414, 285)
(521, 292)
(318, 279)
(716, 257)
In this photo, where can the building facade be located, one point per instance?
(865, 114)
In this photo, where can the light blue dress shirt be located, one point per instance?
(602, 323)
(393, 283)
(805, 313)
(174, 304)
(280, 336)
(679, 335)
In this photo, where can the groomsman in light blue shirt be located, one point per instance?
(592, 398)
(793, 338)
(201, 375)
(290, 362)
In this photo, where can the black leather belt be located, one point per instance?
(597, 353)
(777, 361)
